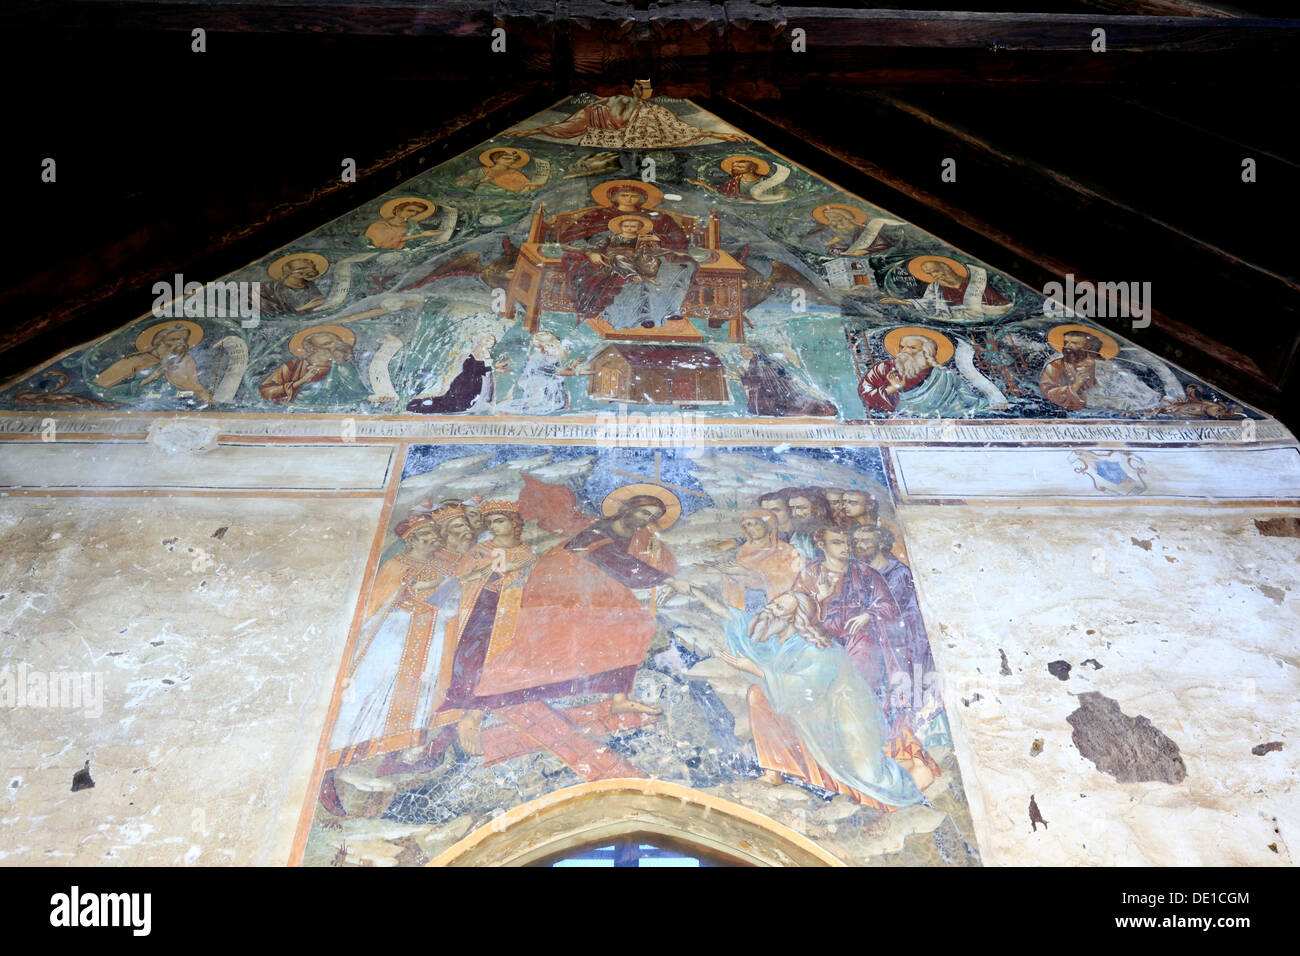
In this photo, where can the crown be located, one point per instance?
(499, 507)
(447, 511)
(411, 522)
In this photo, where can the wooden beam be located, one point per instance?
(746, 27)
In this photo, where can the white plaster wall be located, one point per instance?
(213, 767)
(1200, 633)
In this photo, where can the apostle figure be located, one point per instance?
(628, 122)
(161, 351)
(398, 227)
(746, 177)
(916, 381)
(503, 167)
(775, 503)
(763, 566)
(812, 715)
(323, 374)
(1086, 377)
(873, 543)
(809, 510)
(773, 391)
(581, 629)
(954, 291)
(847, 231)
(293, 288)
(472, 388)
(854, 606)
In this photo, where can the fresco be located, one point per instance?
(742, 621)
(625, 250)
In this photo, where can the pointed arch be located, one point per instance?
(607, 809)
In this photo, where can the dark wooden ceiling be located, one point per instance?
(1120, 166)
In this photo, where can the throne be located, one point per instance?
(717, 292)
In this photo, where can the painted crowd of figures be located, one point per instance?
(470, 635)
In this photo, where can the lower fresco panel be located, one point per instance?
(741, 622)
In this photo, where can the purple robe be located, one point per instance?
(861, 590)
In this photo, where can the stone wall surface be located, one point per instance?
(213, 628)
(1186, 617)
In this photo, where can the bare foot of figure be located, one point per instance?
(771, 778)
(469, 732)
(622, 704)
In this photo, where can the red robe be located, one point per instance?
(580, 628)
(873, 386)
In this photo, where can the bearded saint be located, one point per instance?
(812, 715)
(915, 383)
(1081, 378)
(764, 565)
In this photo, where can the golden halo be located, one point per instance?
(144, 341)
(276, 268)
(647, 226)
(859, 215)
(653, 195)
(762, 166)
(388, 209)
(673, 507)
(297, 344)
(1056, 339)
(914, 267)
(485, 156)
(943, 344)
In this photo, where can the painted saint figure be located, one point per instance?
(323, 373)
(293, 288)
(398, 225)
(812, 715)
(164, 349)
(954, 290)
(763, 566)
(627, 277)
(504, 168)
(746, 177)
(581, 629)
(916, 381)
(1086, 377)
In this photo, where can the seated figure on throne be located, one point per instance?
(627, 277)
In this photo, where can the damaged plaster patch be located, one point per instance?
(1130, 749)
(1059, 669)
(81, 779)
(1276, 594)
(1035, 815)
(1145, 545)
(1288, 527)
(1260, 749)
(1006, 667)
